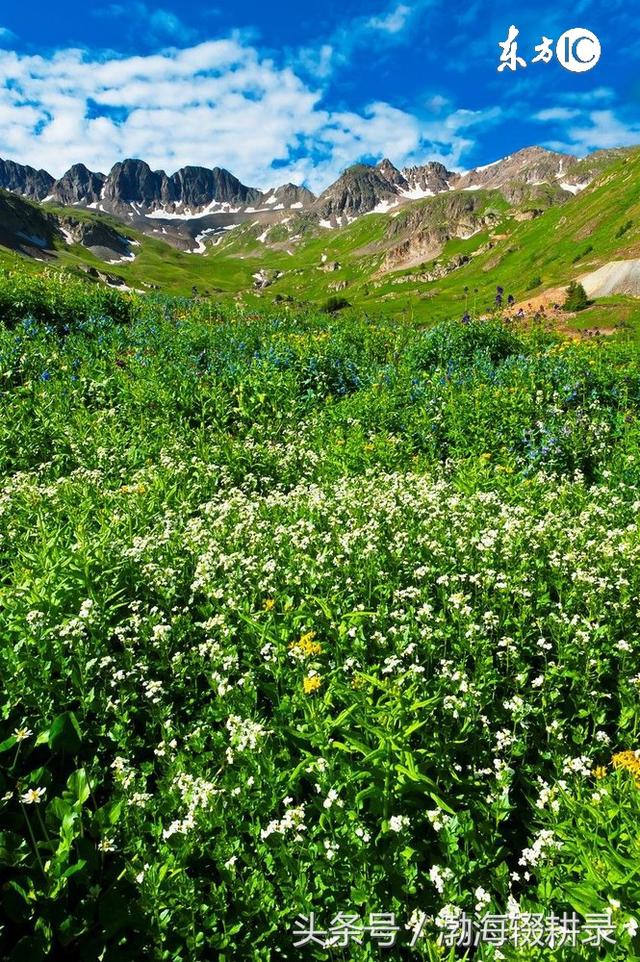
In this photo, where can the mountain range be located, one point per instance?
(384, 238)
(133, 192)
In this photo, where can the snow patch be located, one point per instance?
(199, 239)
(574, 188)
(493, 163)
(215, 207)
(123, 260)
(416, 193)
(382, 208)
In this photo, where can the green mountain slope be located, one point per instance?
(431, 258)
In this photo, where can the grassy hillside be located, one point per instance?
(416, 261)
(304, 613)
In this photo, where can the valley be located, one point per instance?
(425, 242)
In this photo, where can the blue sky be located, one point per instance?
(278, 92)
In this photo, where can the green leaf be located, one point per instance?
(78, 786)
(441, 803)
(64, 734)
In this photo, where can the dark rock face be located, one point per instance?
(362, 188)
(359, 190)
(192, 188)
(288, 195)
(25, 227)
(79, 186)
(133, 182)
(96, 236)
(198, 187)
(391, 174)
(25, 180)
(432, 177)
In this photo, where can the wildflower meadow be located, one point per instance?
(312, 619)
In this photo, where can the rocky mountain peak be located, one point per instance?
(430, 178)
(287, 196)
(359, 190)
(391, 174)
(533, 165)
(78, 186)
(25, 180)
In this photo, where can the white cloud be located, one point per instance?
(392, 22)
(604, 129)
(215, 103)
(556, 113)
(595, 130)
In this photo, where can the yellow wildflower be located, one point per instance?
(311, 683)
(628, 761)
(305, 647)
(600, 771)
(269, 604)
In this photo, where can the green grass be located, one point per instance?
(308, 613)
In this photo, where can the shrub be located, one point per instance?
(582, 254)
(334, 304)
(576, 299)
(453, 343)
(534, 282)
(622, 230)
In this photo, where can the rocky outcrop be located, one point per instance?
(25, 227)
(419, 233)
(287, 196)
(533, 165)
(265, 278)
(360, 190)
(78, 186)
(431, 178)
(101, 239)
(24, 180)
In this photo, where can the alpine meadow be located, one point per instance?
(311, 612)
(319, 483)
